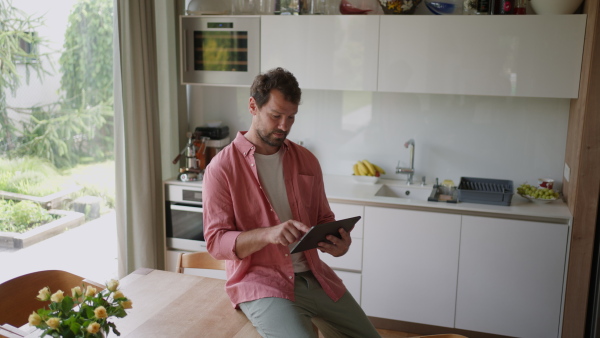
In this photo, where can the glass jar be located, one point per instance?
(293, 7)
(520, 7)
(267, 7)
(244, 7)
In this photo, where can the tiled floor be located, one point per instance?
(89, 250)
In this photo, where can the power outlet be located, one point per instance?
(567, 172)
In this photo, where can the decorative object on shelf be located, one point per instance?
(503, 7)
(476, 7)
(347, 8)
(399, 6)
(439, 7)
(84, 314)
(555, 6)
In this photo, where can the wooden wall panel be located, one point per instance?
(582, 191)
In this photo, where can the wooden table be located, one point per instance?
(168, 304)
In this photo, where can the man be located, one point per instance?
(261, 194)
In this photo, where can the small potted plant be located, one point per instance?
(84, 314)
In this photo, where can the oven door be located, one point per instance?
(185, 228)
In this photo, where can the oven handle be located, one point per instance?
(186, 208)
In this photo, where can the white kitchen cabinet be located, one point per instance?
(510, 279)
(410, 265)
(352, 260)
(348, 267)
(324, 52)
(352, 281)
(533, 55)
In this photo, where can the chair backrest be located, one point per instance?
(198, 260)
(18, 295)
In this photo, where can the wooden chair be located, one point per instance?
(198, 260)
(18, 295)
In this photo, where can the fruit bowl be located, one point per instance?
(366, 179)
(399, 6)
(538, 200)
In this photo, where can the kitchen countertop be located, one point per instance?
(344, 189)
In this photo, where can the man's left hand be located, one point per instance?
(338, 246)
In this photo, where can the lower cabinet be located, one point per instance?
(352, 281)
(410, 265)
(510, 279)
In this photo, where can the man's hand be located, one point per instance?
(287, 232)
(339, 246)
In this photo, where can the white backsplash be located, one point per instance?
(521, 139)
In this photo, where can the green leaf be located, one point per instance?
(67, 304)
(75, 327)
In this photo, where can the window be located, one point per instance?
(56, 136)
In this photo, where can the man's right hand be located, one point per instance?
(287, 232)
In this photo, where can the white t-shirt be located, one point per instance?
(270, 173)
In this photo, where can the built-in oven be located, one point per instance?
(219, 50)
(183, 216)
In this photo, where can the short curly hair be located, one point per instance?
(277, 78)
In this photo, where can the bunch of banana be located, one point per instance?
(366, 168)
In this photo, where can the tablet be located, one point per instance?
(319, 232)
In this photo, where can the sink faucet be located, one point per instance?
(408, 171)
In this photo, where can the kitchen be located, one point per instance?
(511, 131)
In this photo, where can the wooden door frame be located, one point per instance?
(582, 190)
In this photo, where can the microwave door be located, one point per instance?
(220, 50)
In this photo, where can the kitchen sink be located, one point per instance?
(404, 191)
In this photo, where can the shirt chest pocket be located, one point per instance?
(305, 189)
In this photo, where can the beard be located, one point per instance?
(271, 139)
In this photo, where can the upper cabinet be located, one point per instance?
(531, 55)
(324, 52)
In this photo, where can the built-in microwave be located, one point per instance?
(219, 50)
(183, 216)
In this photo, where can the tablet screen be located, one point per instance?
(319, 232)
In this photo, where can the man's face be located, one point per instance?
(274, 120)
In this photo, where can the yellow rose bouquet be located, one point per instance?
(83, 314)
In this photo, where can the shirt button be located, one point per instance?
(286, 255)
(252, 164)
(291, 277)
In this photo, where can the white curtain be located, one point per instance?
(139, 205)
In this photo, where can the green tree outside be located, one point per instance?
(78, 128)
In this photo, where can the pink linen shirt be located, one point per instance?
(234, 201)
